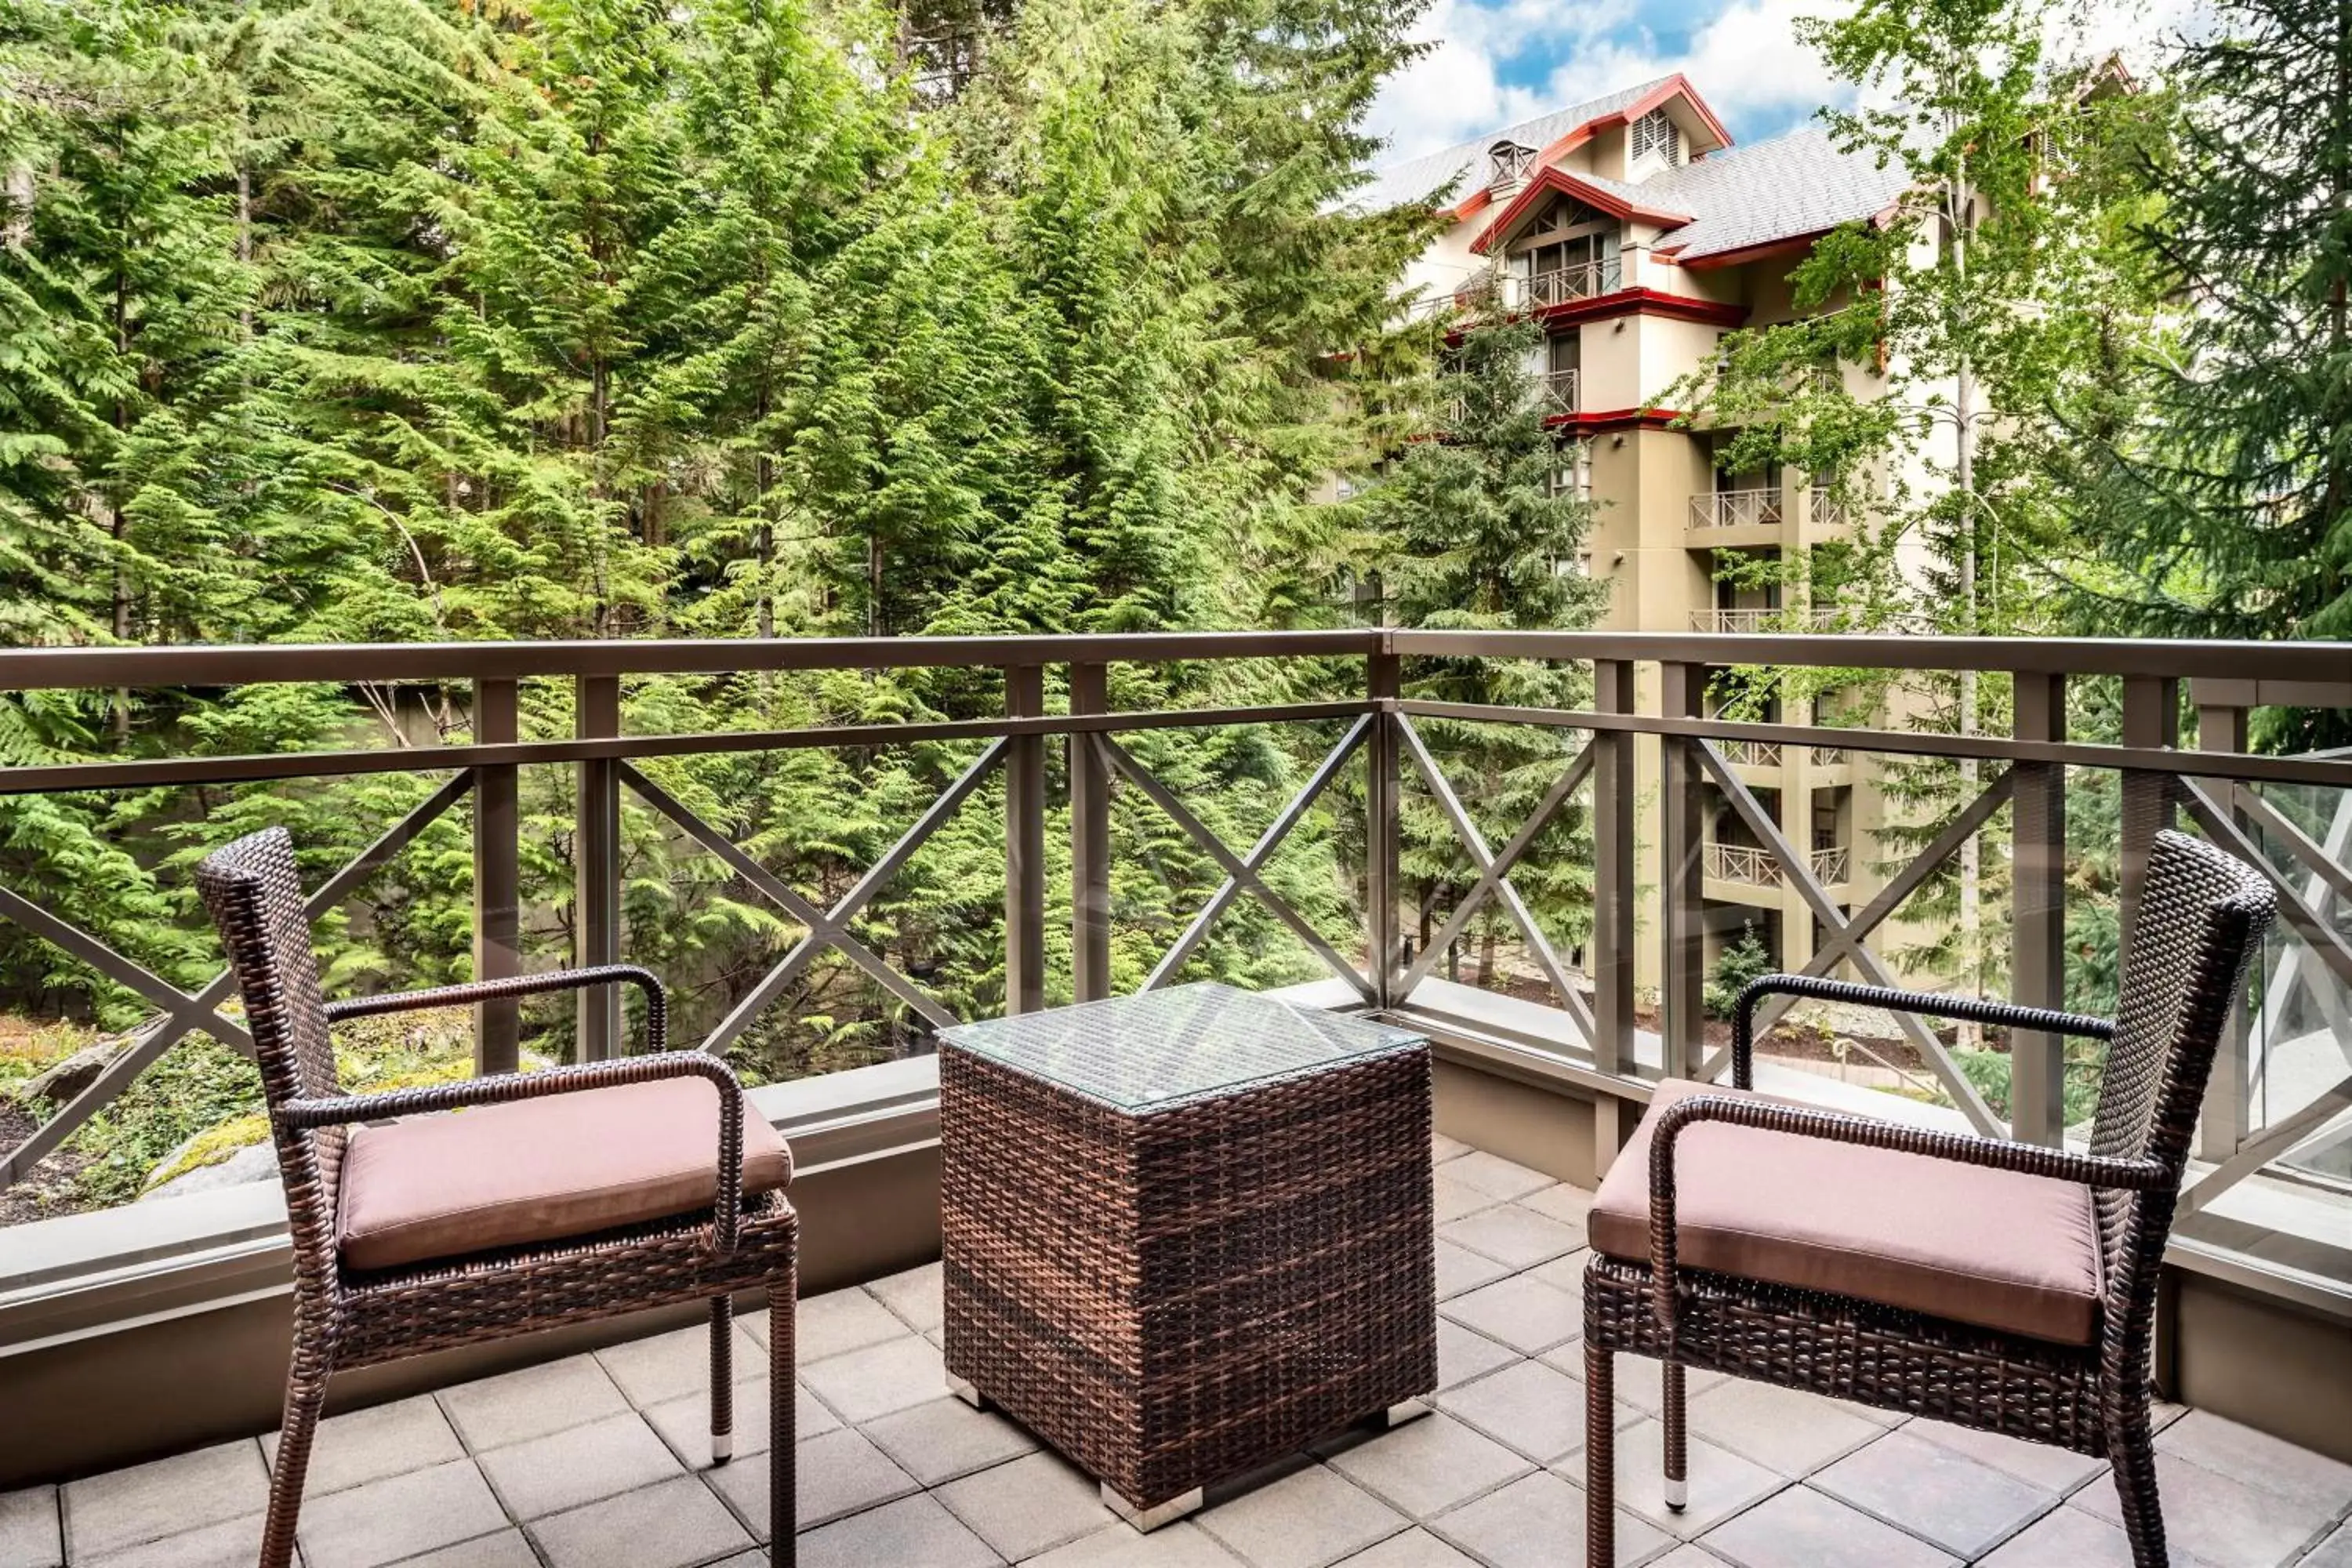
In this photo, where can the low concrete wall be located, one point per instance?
(119, 1392)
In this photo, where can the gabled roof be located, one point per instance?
(1792, 187)
(1615, 197)
(1457, 172)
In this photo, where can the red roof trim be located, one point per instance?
(1666, 91)
(1792, 244)
(1591, 422)
(1560, 181)
(1646, 302)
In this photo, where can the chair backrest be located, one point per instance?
(255, 896)
(2201, 915)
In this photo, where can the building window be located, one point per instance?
(1574, 474)
(1656, 133)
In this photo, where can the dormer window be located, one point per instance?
(1657, 133)
(1508, 164)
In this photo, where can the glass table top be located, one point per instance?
(1161, 1048)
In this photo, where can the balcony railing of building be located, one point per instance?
(1736, 509)
(1057, 746)
(1830, 865)
(1495, 289)
(1763, 618)
(1559, 392)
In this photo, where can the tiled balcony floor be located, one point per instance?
(599, 1462)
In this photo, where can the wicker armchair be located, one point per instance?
(2001, 1286)
(566, 1195)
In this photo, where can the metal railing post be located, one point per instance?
(498, 878)
(2037, 1060)
(1682, 884)
(1612, 888)
(1024, 845)
(1089, 842)
(1384, 683)
(2151, 719)
(2227, 1115)
(596, 865)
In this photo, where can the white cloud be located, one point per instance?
(1744, 61)
(1456, 91)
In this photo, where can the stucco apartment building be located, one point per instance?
(1638, 234)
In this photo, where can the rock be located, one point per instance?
(253, 1162)
(60, 1081)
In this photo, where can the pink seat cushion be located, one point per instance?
(540, 1170)
(1990, 1248)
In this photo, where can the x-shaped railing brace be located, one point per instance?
(826, 927)
(1493, 875)
(183, 1010)
(1242, 874)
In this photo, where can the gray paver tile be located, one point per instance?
(1514, 1235)
(1536, 1522)
(836, 1475)
(895, 1374)
(1463, 1355)
(914, 1296)
(1719, 1482)
(1460, 1269)
(664, 1366)
(1800, 1528)
(2335, 1551)
(2259, 1459)
(2222, 1522)
(1495, 1176)
(914, 1530)
(507, 1549)
(1526, 1405)
(839, 1321)
(684, 1422)
(579, 1464)
(234, 1544)
(514, 1406)
(1639, 1383)
(1029, 1506)
(1523, 1313)
(1415, 1548)
(944, 1439)
(1455, 1199)
(1792, 1433)
(1442, 1148)
(31, 1535)
(2069, 1538)
(1181, 1546)
(368, 1444)
(1935, 1493)
(668, 1525)
(400, 1516)
(1570, 1205)
(1308, 1519)
(2037, 1464)
(167, 1497)
(1428, 1466)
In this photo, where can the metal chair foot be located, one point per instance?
(1146, 1520)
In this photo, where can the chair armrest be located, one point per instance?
(499, 1088)
(656, 999)
(1802, 1121)
(1924, 1003)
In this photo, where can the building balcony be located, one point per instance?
(1514, 291)
(1747, 621)
(143, 1348)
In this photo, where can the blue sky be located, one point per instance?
(1497, 61)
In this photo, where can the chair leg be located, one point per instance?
(2131, 1447)
(1677, 1439)
(722, 1379)
(1600, 1457)
(784, 1512)
(306, 1395)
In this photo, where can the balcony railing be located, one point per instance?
(1513, 292)
(1742, 863)
(1748, 620)
(1050, 748)
(1736, 509)
(1559, 392)
(1752, 753)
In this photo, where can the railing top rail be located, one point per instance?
(2312, 669)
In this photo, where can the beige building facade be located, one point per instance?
(1635, 231)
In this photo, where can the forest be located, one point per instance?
(373, 321)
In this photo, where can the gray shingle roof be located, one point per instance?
(1797, 184)
(1453, 173)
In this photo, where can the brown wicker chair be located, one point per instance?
(545, 1206)
(2002, 1286)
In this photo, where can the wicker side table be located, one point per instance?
(1187, 1233)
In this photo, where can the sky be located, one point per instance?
(1500, 61)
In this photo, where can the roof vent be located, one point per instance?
(1508, 165)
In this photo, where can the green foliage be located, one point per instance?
(1742, 962)
(1988, 1072)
